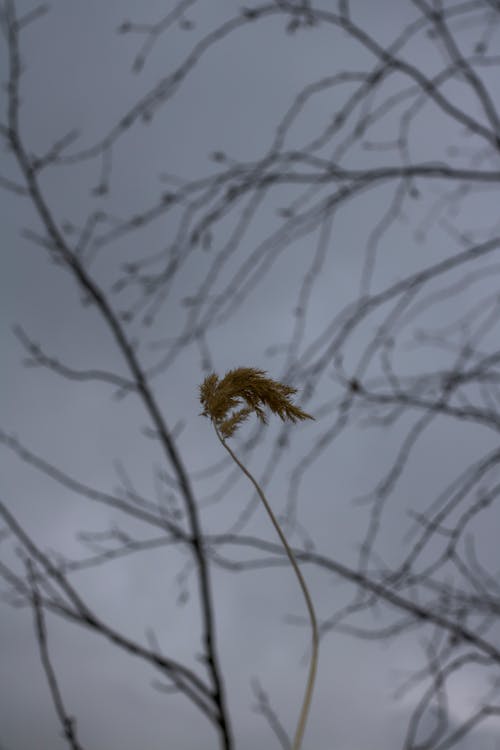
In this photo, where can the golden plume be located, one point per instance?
(255, 389)
(222, 403)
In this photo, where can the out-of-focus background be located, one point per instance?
(306, 188)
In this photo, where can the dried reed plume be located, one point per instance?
(221, 401)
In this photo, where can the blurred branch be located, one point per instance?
(184, 678)
(68, 722)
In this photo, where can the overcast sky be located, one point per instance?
(78, 74)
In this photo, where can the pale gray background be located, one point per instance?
(78, 75)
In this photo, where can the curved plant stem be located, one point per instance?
(299, 732)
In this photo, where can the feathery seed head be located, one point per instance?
(255, 389)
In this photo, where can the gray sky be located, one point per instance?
(78, 75)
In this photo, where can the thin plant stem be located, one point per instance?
(299, 732)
